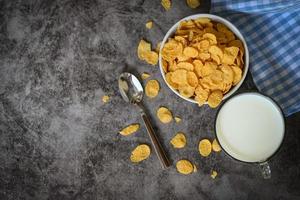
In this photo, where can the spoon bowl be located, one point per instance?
(130, 88)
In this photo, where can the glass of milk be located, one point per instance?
(250, 128)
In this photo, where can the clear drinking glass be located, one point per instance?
(250, 128)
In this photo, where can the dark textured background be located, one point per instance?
(59, 141)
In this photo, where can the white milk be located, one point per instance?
(250, 127)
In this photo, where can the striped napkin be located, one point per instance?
(272, 31)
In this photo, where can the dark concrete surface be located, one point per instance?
(59, 141)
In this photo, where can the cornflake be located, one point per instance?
(177, 119)
(145, 75)
(152, 88)
(215, 146)
(145, 53)
(214, 174)
(204, 147)
(105, 98)
(184, 167)
(149, 25)
(193, 3)
(166, 4)
(178, 141)
(164, 115)
(130, 129)
(140, 153)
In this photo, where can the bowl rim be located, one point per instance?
(227, 24)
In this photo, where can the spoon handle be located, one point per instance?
(160, 152)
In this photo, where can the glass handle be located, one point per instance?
(265, 170)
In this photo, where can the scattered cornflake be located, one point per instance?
(143, 48)
(166, 4)
(195, 168)
(105, 98)
(193, 3)
(178, 141)
(140, 153)
(213, 174)
(215, 146)
(144, 53)
(204, 147)
(149, 25)
(129, 129)
(164, 115)
(145, 75)
(184, 167)
(177, 119)
(152, 88)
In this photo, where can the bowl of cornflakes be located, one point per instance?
(204, 59)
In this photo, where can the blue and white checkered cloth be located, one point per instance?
(272, 31)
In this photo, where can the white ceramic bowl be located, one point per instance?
(230, 26)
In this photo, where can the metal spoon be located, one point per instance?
(132, 92)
